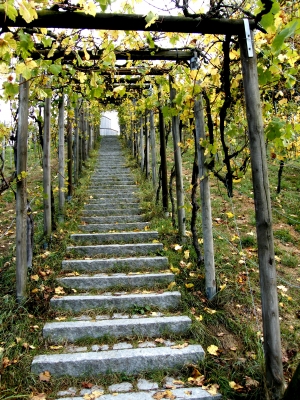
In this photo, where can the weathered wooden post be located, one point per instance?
(163, 157)
(147, 146)
(142, 154)
(76, 145)
(208, 243)
(61, 157)
(153, 149)
(70, 156)
(178, 169)
(262, 201)
(21, 193)
(47, 170)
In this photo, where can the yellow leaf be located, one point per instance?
(189, 285)
(45, 376)
(39, 396)
(235, 386)
(194, 73)
(200, 318)
(230, 215)
(186, 254)
(222, 287)
(180, 346)
(171, 285)
(213, 389)
(174, 270)
(213, 350)
(155, 241)
(209, 310)
(56, 347)
(59, 290)
(34, 278)
(177, 247)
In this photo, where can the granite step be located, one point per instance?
(122, 302)
(117, 249)
(115, 196)
(150, 327)
(111, 212)
(104, 201)
(123, 207)
(185, 393)
(114, 237)
(110, 264)
(129, 361)
(113, 227)
(113, 219)
(103, 281)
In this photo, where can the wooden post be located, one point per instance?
(76, 146)
(163, 157)
(142, 144)
(80, 141)
(208, 244)
(61, 157)
(47, 170)
(147, 147)
(153, 149)
(70, 157)
(265, 242)
(178, 170)
(21, 193)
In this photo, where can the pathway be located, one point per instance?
(120, 302)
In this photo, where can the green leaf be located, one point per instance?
(55, 69)
(150, 18)
(47, 42)
(10, 89)
(284, 34)
(274, 129)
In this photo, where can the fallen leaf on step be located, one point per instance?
(180, 346)
(171, 285)
(159, 340)
(56, 347)
(45, 376)
(212, 389)
(59, 290)
(164, 395)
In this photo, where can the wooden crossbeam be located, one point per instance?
(128, 22)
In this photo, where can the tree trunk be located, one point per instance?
(142, 144)
(280, 171)
(265, 241)
(293, 389)
(147, 147)
(47, 170)
(21, 194)
(208, 241)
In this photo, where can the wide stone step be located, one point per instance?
(113, 219)
(129, 361)
(116, 197)
(121, 207)
(113, 180)
(111, 264)
(186, 393)
(111, 202)
(103, 282)
(114, 237)
(71, 331)
(111, 212)
(163, 301)
(113, 227)
(112, 192)
(117, 249)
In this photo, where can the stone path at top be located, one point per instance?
(118, 279)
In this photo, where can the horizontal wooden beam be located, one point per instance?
(154, 54)
(136, 72)
(128, 22)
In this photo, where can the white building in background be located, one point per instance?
(106, 126)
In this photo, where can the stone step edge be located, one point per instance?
(184, 393)
(148, 327)
(80, 236)
(78, 303)
(129, 361)
(113, 262)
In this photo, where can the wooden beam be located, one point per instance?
(127, 22)
(134, 55)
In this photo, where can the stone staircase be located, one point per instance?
(120, 291)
